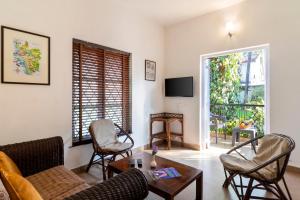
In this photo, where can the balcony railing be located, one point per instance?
(236, 113)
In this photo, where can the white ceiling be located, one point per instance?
(168, 12)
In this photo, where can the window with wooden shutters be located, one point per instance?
(101, 88)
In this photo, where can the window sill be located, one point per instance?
(78, 143)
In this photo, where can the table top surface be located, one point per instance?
(162, 186)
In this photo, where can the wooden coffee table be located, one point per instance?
(166, 188)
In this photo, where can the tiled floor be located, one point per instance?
(208, 161)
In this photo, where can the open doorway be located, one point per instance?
(234, 90)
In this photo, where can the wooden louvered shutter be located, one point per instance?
(101, 88)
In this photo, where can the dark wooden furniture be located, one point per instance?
(166, 134)
(37, 156)
(166, 188)
(218, 122)
(250, 131)
(266, 170)
(108, 154)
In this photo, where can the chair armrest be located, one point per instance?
(35, 156)
(124, 133)
(129, 185)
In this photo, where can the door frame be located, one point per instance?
(204, 91)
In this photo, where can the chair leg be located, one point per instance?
(103, 168)
(91, 162)
(127, 153)
(249, 190)
(114, 158)
(151, 140)
(281, 193)
(241, 184)
(228, 180)
(286, 188)
(235, 188)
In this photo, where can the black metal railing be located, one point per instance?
(237, 113)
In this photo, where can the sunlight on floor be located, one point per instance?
(208, 161)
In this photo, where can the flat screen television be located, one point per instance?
(179, 87)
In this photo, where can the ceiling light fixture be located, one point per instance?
(230, 26)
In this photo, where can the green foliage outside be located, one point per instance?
(226, 89)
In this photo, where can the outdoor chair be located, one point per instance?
(218, 122)
(105, 135)
(264, 171)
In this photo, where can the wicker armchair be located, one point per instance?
(39, 155)
(106, 144)
(266, 168)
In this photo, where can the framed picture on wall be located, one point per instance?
(150, 70)
(25, 57)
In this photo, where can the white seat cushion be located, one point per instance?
(104, 132)
(271, 146)
(117, 146)
(234, 163)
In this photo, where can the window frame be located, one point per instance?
(77, 137)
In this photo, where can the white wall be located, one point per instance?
(30, 112)
(260, 21)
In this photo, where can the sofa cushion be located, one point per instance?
(18, 187)
(57, 183)
(8, 165)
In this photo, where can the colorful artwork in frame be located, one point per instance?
(150, 70)
(25, 57)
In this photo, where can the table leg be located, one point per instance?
(110, 173)
(168, 135)
(233, 138)
(252, 136)
(235, 135)
(199, 187)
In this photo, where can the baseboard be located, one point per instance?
(293, 169)
(158, 142)
(192, 146)
(185, 145)
(80, 169)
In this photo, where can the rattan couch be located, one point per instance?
(41, 162)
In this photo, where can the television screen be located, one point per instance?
(179, 87)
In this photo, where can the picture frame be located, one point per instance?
(150, 70)
(25, 57)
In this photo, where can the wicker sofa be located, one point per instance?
(41, 162)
